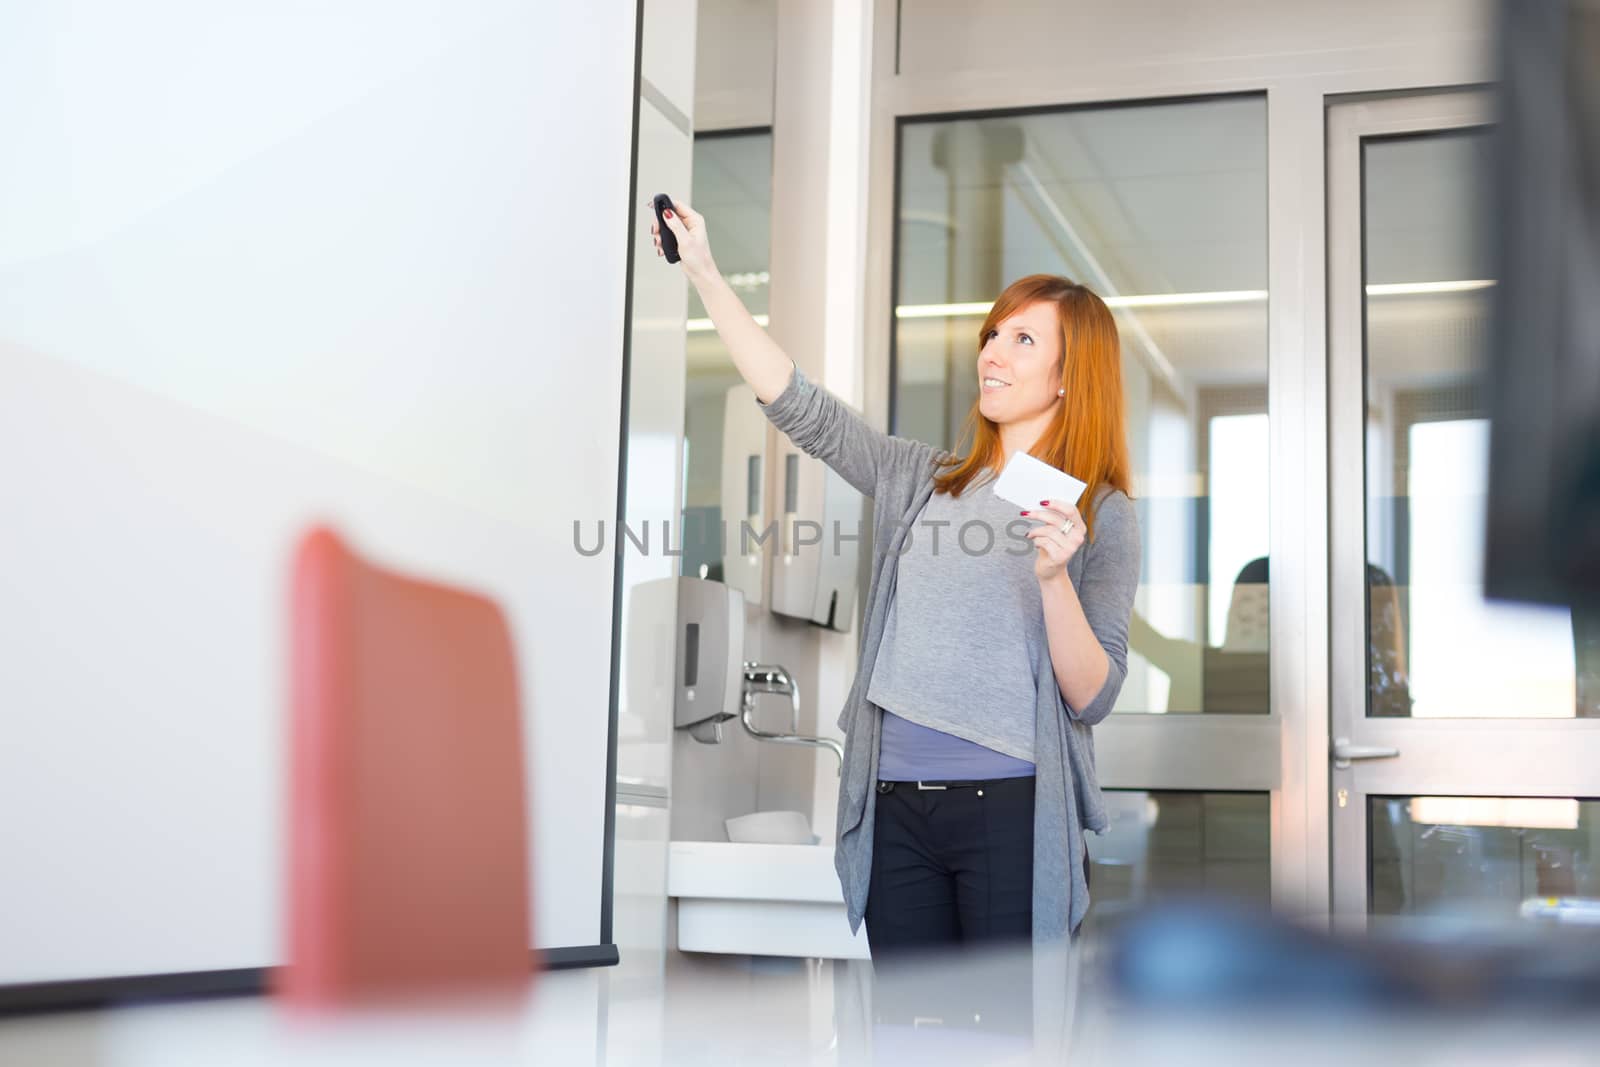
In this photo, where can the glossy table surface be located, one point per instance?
(1004, 1008)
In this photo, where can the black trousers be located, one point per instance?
(951, 866)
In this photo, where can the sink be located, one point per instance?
(760, 899)
(771, 828)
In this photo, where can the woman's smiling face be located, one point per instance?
(1019, 366)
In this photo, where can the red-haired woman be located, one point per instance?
(968, 779)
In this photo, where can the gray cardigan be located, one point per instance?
(898, 474)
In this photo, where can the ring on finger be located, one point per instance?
(1066, 527)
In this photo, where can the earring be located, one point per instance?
(1061, 392)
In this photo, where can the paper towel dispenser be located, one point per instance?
(744, 469)
(709, 675)
(821, 538)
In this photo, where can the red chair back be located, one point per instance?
(408, 842)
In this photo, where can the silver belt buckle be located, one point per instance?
(926, 786)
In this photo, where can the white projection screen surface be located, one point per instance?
(264, 265)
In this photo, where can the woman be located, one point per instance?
(968, 777)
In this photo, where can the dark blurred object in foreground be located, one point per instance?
(1544, 362)
(1202, 956)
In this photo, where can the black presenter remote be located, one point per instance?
(669, 240)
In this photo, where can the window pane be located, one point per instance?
(1428, 284)
(1170, 844)
(1237, 524)
(1488, 855)
(1161, 210)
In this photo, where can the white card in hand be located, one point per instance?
(1026, 481)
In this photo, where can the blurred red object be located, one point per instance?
(408, 845)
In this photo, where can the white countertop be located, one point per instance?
(724, 870)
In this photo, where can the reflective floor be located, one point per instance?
(1218, 994)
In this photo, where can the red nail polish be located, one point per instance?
(667, 213)
(1046, 503)
(1024, 512)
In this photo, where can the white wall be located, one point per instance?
(941, 38)
(262, 264)
(736, 41)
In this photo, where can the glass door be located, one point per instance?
(1465, 732)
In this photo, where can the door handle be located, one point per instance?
(1344, 752)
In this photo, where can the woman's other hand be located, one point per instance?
(1055, 540)
(689, 227)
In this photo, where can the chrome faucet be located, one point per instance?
(771, 678)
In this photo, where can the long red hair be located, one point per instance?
(1088, 437)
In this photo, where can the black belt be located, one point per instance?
(884, 787)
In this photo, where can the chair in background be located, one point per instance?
(407, 832)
